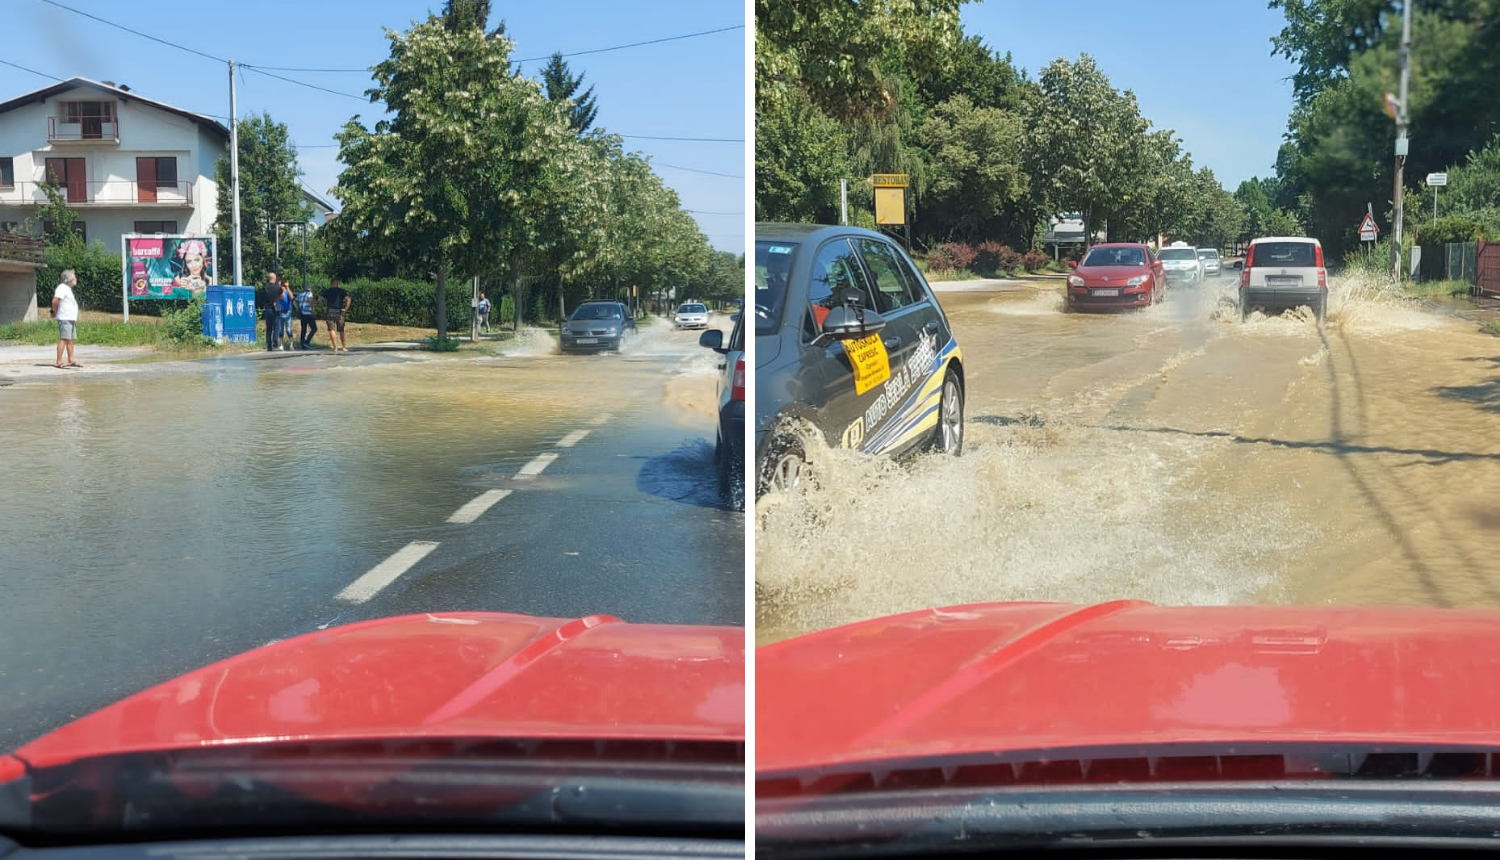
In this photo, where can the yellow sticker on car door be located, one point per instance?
(871, 364)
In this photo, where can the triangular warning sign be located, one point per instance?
(1368, 225)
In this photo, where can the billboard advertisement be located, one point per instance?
(167, 267)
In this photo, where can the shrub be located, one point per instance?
(183, 325)
(440, 344)
(987, 258)
(952, 256)
(393, 301)
(1452, 229)
(1010, 259)
(1035, 260)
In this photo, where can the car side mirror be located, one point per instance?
(712, 339)
(1239, 264)
(1072, 264)
(848, 322)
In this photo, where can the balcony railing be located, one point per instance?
(22, 248)
(109, 192)
(83, 129)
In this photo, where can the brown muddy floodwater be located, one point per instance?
(1172, 455)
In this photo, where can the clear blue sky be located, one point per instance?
(687, 88)
(1200, 67)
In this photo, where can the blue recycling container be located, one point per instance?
(229, 314)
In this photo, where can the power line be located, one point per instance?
(696, 170)
(136, 32)
(693, 139)
(639, 44)
(259, 71)
(536, 59)
(701, 212)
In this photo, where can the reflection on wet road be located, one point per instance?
(157, 522)
(1174, 455)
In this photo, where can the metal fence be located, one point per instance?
(1460, 262)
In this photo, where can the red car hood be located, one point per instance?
(1114, 273)
(1028, 676)
(476, 675)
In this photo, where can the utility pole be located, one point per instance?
(843, 201)
(234, 173)
(1401, 141)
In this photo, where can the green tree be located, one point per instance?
(1085, 141)
(977, 168)
(800, 156)
(457, 178)
(270, 191)
(832, 50)
(60, 215)
(562, 86)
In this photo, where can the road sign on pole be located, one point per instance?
(1367, 229)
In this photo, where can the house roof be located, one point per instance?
(317, 200)
(118, 92)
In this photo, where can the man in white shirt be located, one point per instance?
(65, 311)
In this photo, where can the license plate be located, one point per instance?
(1106, 292)
(1276, 281)
(587, 340)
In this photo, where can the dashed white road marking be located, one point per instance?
(476, 507)
(601, 420)
(572, 439)
(537, 464)
(387, 572)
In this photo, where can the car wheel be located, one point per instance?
(1322, 308)
(731, 476)
(949, 436)
(785, 467)
(1244, 307)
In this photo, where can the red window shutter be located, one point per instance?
(145, 180)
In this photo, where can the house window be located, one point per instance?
(72, 174)
(152, 173)
(156, 226)
(7, 172)
(78, 227)
(90, 117)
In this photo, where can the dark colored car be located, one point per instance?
(597, 327)
(850, 343)
(729, 442)
(1117, 275)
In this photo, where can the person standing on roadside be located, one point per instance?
(309, 323)
(337, 301)
(271, 295)
(284, 305)
(65, 311)
(484, 312)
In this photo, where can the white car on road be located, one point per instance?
(1181, 264)
(692, 315)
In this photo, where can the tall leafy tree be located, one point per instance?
(563, 86)
(456, 178)
(977, 168)
(1084, 142)
(832, 50)
(270, 191)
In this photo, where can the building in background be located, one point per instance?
(128, 164)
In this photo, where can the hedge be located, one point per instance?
(389, 301)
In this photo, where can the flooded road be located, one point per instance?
(157, 521)
(1173, 455)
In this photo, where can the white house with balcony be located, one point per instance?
(127, 163)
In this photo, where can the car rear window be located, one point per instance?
(1283, 254)
(1115, 257)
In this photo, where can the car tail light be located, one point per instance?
(1322, 276)
(737, 389)
(1318, 251)
(1245, 276)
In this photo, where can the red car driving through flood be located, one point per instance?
(1117, 275)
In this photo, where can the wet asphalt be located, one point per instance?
(155, 522)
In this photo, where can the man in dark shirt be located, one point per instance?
(337, 300)
(270, 296)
